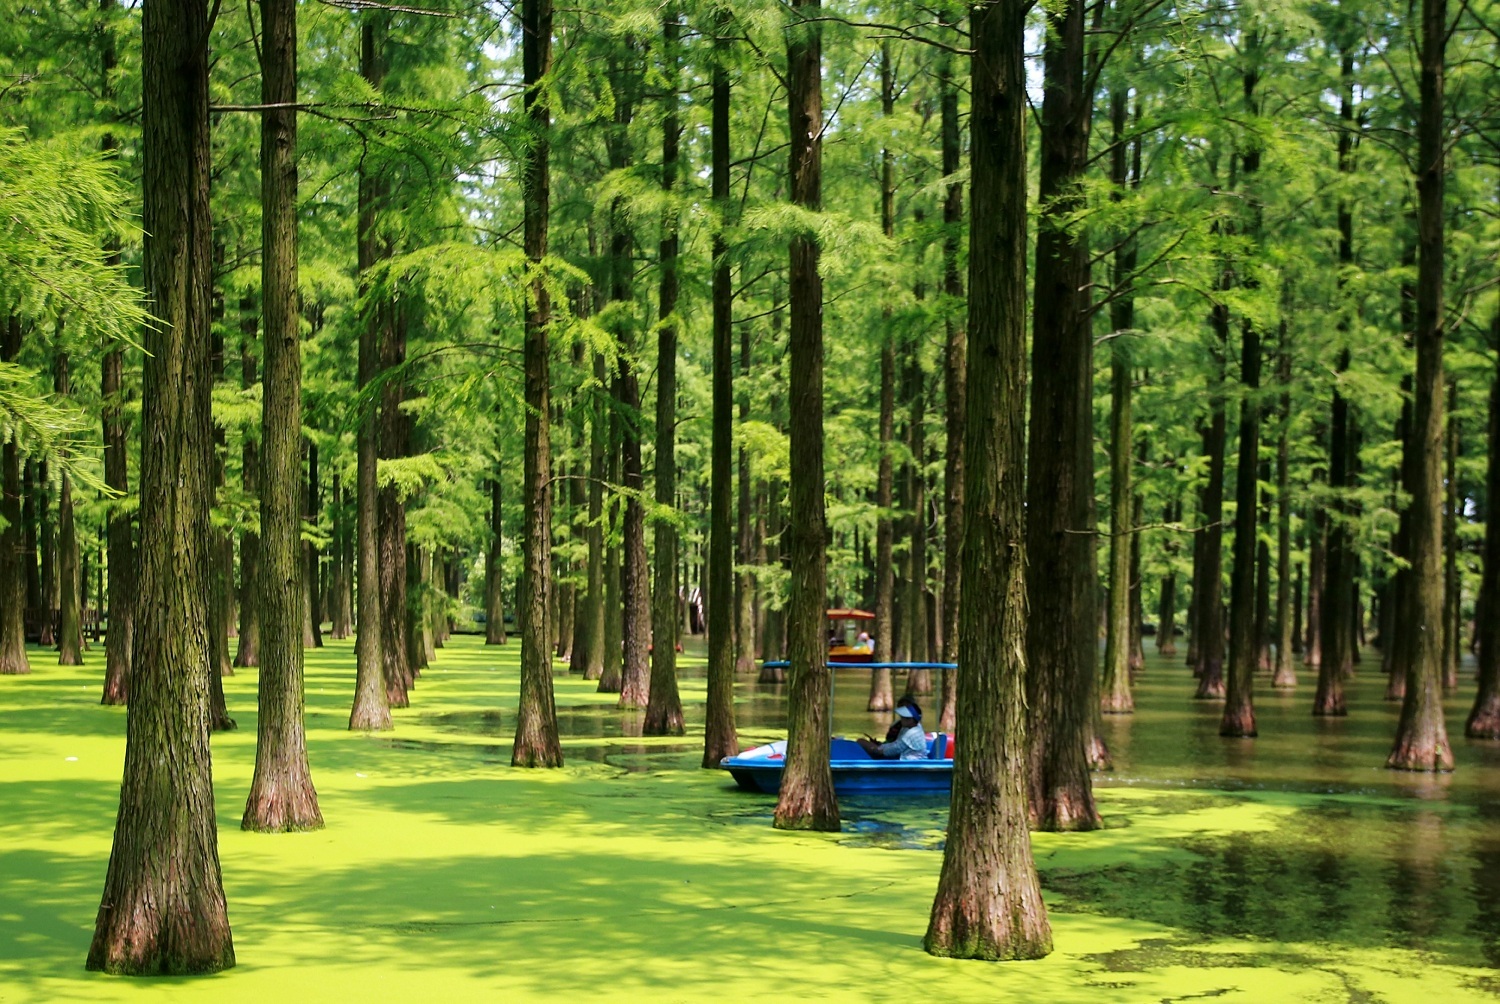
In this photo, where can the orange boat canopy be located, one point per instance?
(850, 615)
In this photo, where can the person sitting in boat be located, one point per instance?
(905, 739)
(863, 644)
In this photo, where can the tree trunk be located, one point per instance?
(614, 617)
(312, 606)
(1452, 587)
(1317, 572)
(663, 704)
(69, 612)
(247, 649)
(719, 735)
(746, 641)
(1484, 718)
(537, 743)
(806, 801)
(390, 526)
(494, 574)
(1115, 695)
(918, 681)
(1208, 590)
(163, 910)
(282, 796)
(1284, 675)
(12, 543)
(955, 393)
(371, 709)
(1421, 735)
(882, 696)
(989, 902)
(1062, 584)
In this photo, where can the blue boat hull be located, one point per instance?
(854, 772)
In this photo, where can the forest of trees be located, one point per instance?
(1046, 332)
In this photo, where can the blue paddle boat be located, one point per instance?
(855, 772)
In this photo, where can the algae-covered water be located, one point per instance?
(1289, 867)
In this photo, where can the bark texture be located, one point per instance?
(282, 796)
(1421, 735)
(163, 908)
(806, 800)
(537, 743)
(989, 902)
(1062, 601)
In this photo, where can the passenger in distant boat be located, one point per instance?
(905, 740)
(863, 644)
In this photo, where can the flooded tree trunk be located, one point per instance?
(1452, 587)
(775, 636)
(1195, 583)
(746, 640)
(719, 735)
(13, 555)
(1484, 718)
(282, 796)
(1208, 591)
(1062, 580)
(955, 392)
(537, 743)
(614, 617)
(494, 568)
(1288, 598)
(1421, 736)
(247, 648)
(70, 598)
(989, 902)
(918, 681)
(400, 672)
(663, 704)
(589, 657)
(163, 910)
(882, 694)
(370, 710)
(1317, 573)
(1335, 645)
(1244, 654)
(806, 800)
(1166, 617)
(1115, 697)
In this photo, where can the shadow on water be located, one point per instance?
(1367, 857)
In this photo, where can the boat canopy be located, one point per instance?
(851, 614)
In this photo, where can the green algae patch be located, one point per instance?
(630, 874)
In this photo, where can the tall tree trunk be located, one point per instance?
(12, 542)
(1208, 588)
(719, 735)
(1244, 636)
(371, 708)
(312, 606)
(806, 800)
(989, 902)
(882, 696)
(247, 649)
(955, 392)
(614, 617)
(339, 590)
(1284, 675)
(918, 681)
(1421, 736)
(1484, 718)
(537, 743)
(1062, 584)
(390, 526)
(46, 533)
(163, 909)
(281, 796)
(746, 640)
(494, 574)
(1317, 572)
(70, 585)
(120, 548)
(220, 548)
(592, 658)
(663, 704)
(1452, 586)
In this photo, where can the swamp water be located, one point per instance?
(1289, 867)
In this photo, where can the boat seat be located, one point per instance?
(939, 749)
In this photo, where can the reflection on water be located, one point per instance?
(1367, 858)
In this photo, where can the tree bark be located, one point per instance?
(537, 743)
(882, 695)
(70, 598)
(282, 796)
(955, 392)
(1452, 586)
(1062, 584)
(494, 575)
(163, 910)
(806, 800)
(989, 901)
(1284, 675)
(371, 708)
(1484, 717)
(1208, 590)
(1421, 736)
(663, 704)
(13, 553)
(719, 735)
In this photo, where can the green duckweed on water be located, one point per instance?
(1290, 867)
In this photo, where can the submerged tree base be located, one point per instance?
(282, 808)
